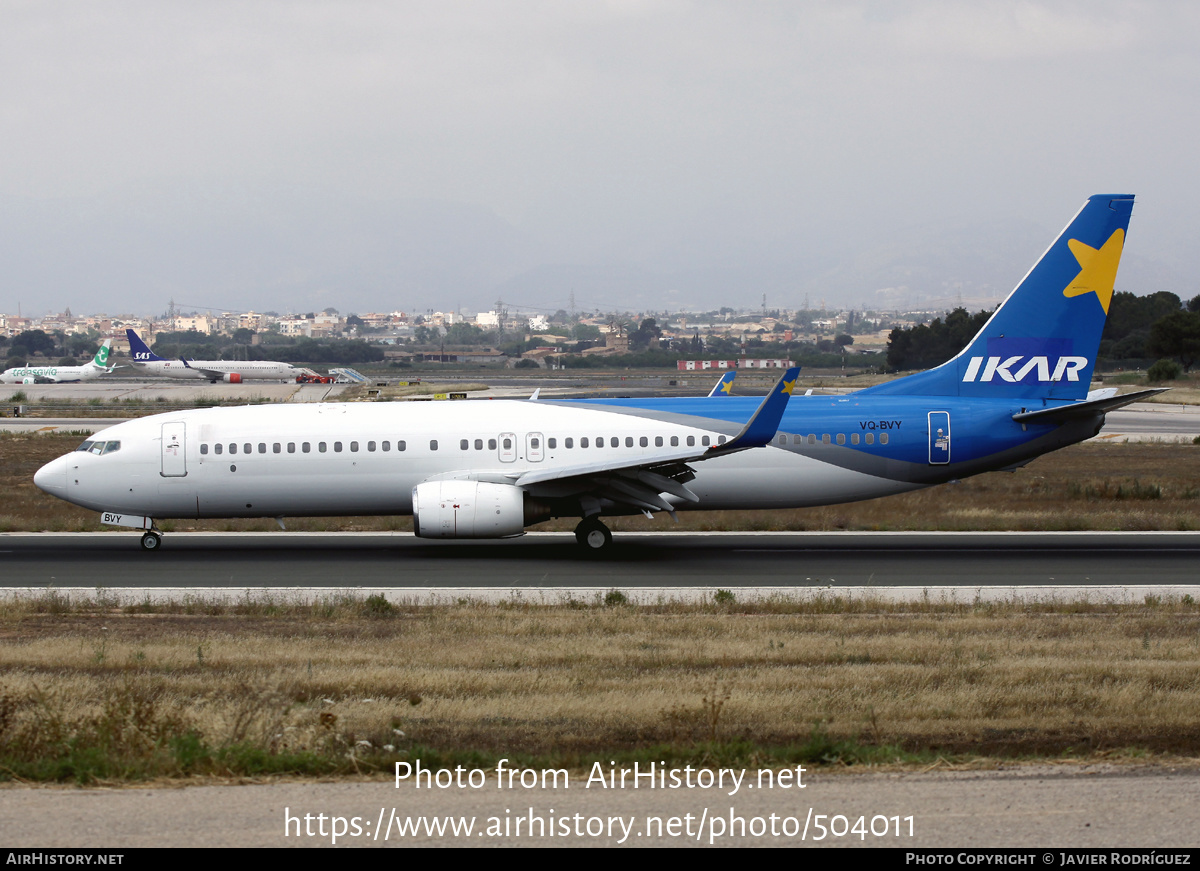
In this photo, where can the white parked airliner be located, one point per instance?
(228, 371)
(94, 368)
(489, 469)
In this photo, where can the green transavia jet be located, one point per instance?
(94, 368)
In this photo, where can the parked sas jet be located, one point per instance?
(491, 469)
(94, 368)
(229, 371)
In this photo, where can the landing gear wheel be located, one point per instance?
(593, 534)
(151, 541)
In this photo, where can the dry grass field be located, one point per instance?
(93, 692)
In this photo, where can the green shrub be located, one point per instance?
(1164, 370)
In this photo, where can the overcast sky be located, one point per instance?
(661, 133)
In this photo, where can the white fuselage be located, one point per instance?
(346, 458)
(250, 370)
(51, 374)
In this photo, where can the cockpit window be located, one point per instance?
(98, 448)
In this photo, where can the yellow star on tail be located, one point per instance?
(1097, 268)
(726, 387)
(787, 386)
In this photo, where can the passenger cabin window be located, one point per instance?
(385, 446)
(870, 438)
(203, 449)
(883, 438)
(583, 442)
(629, 441)
(491, 444)
(233, 447)
(337, 447)
(262, 447)
(218, 447)
(825, 438)
(674, 441)
(854, 438)
(616, 442)
(479, 444)
(276, 448)
(691, 441)
(291, 447)
(552, 443)
(306, 447)
(322, 447)
(568, 442)
(658, 441)
(354, 447)
(401, 445)
(841, 438)
(704, 440)
(370, 446)
(464, 444)
(433, 444)
(247, 448)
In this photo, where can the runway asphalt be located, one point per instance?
(786, 561)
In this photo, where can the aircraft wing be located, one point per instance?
(1060, 414)
(641, 483)
(210, 374)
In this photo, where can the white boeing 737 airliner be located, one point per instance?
(228, 371)
(94, 368)
(489, 469)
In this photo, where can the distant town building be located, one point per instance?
(696, 365)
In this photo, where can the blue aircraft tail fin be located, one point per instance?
(138, 349)
(724, 387)
(1042, 341)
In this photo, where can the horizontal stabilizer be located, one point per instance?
(1089, 408)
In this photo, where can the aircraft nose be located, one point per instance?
(52, 477)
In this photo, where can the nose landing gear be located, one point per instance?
(151, 540)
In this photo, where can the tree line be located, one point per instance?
(1138, 331)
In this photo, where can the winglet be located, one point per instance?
(536, 393)
(724, 387)
(761, 428)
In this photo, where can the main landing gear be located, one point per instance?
(152, 540)
(593, 534)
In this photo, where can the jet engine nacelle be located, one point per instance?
(468, 509)
(232, 378)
